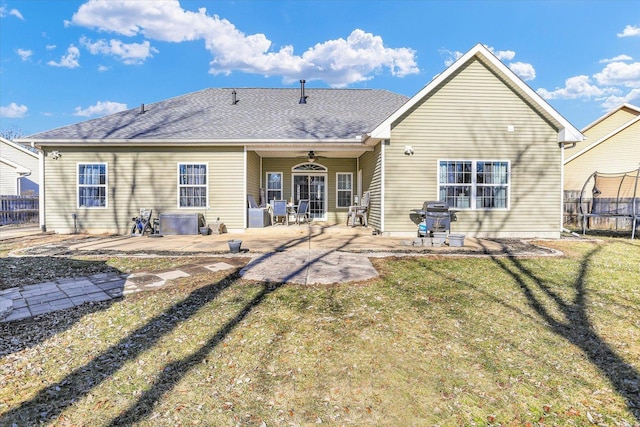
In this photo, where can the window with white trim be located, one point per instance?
(92, 185)
(192, 185)
(474, 184)
(344, 189)
(274, 186)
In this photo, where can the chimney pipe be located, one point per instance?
(141, 108)
(234, 97)
(303, 97)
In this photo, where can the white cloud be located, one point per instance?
(616, 59)
(614, 101)
(100, 109)
(103, 68)
(129, 53)
(339, 62)
(13, 12)
(13, 111)
(51, 46)
(575, 87)
(620, 74)
(524, 70)
(24, 54)
(70, 60)
(630, 31)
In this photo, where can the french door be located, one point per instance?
(313, 188)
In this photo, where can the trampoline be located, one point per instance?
(611, 197)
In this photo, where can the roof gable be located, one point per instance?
(566, 131)
(605, 138)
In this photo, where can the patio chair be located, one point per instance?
(303, 211)
(279, 210)
(360, 212)
(143, 223)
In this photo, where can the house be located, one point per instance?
(612, 145)
(476, 137)
(19, 170)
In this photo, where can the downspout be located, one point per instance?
(382, 186)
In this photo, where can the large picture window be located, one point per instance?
(274, 186)
(192, 185)
(474, 184)
(92, 185)
(344, 190)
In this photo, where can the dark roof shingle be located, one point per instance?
(260, 114)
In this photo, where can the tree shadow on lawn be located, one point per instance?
(55, 398)
(575, 326)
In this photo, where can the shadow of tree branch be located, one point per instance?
(575, 326)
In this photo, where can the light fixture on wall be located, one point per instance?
(55, 154)
(408, 150)
(311, 157)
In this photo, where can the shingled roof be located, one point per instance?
(259, 115)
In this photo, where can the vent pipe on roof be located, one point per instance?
(141, 108)
(303, 97)
(234, 97)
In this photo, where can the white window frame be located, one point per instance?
(338, 190)
(267, 189)
(105, 185)
(474, 185)
(205, 186)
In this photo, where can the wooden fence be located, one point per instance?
(620, 212)
(19, 210)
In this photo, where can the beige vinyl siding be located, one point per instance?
(371, 165)
(467, 119)
(253, 175)
(144, 178)
(620, 153)
(602, 128)
(284, 165)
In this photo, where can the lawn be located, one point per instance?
(433, 341)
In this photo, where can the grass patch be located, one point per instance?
(433, 341)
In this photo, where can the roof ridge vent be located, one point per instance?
(303, 97)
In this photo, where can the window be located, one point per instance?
(92, 185)
(344, 189)
(274, 186)
(474, 184)
(192, 185)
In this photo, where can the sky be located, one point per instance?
(67, 61)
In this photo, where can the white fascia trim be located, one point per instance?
(603, 139)
(19, 147)
(609, 114)
(21, 170)
(567, 132)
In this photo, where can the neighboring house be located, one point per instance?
(476, 137)
(612, 145)
(19, 172)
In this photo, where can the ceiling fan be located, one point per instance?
(311, 156)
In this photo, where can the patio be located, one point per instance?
(313, 236)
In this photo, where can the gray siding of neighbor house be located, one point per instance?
(142, 178)
(371, 165)
(620, 153)
(29, 184)
(284, 165)
(467, 119)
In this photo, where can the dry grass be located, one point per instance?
(434, 341)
